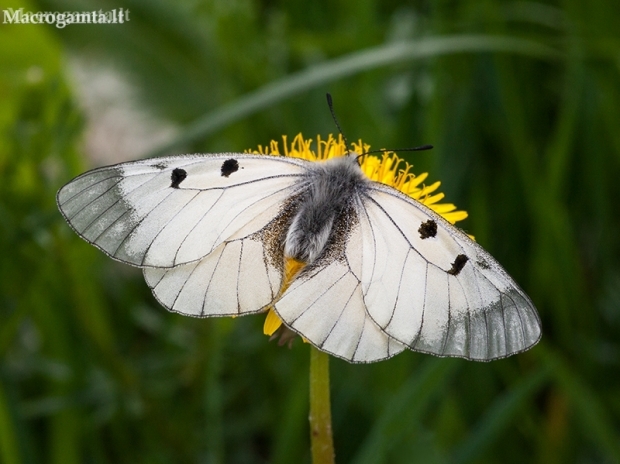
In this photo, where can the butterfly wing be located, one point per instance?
(325, 303)
(206, 229)
(164, 212)
(209, 229)
(241, 276)
(429, 286)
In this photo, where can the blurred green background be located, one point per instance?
(522, 103)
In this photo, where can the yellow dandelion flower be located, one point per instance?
(388, 169)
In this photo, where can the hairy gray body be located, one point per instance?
(331, 187)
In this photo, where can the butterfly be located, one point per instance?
(379, 272)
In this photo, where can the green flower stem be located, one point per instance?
(320, 410)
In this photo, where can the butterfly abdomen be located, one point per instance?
(331, 187)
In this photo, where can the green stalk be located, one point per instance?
(321, 439)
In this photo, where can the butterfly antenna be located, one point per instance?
(384, 150)
(330, 103)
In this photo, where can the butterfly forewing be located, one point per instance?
(439, 293)
(170, 211)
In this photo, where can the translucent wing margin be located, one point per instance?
(434, 289)
(164, 212)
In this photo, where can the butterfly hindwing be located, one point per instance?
(236, 278)
(434, 289)
(164, 212)
(325, 303)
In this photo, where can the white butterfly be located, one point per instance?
(383, 272)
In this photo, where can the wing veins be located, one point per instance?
(402, 273)
(229, 222)
(468, 324)
(397, 227)
(452, 231)
(127, 210)
(359, 339)
(93, 200)
(112, 205)
(445, 339)
(137, 224)
(87, 174)
(339, 316)
(411, 246)
(414, 203)
(91, 223)
(417, 338)
(182, 286)
(273, 297)
(238, 278)
(503, 312)
(241, 184)
(318, 297)
(247, 237)
(148, 248)
(252, 204)
(204, 300)
(477, 275)
(194, 227)
(94, 242)
(486, 327)
(518, 314)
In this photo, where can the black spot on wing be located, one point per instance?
(178, 176)
(428, 229)
(229, 166)
(458, 265)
